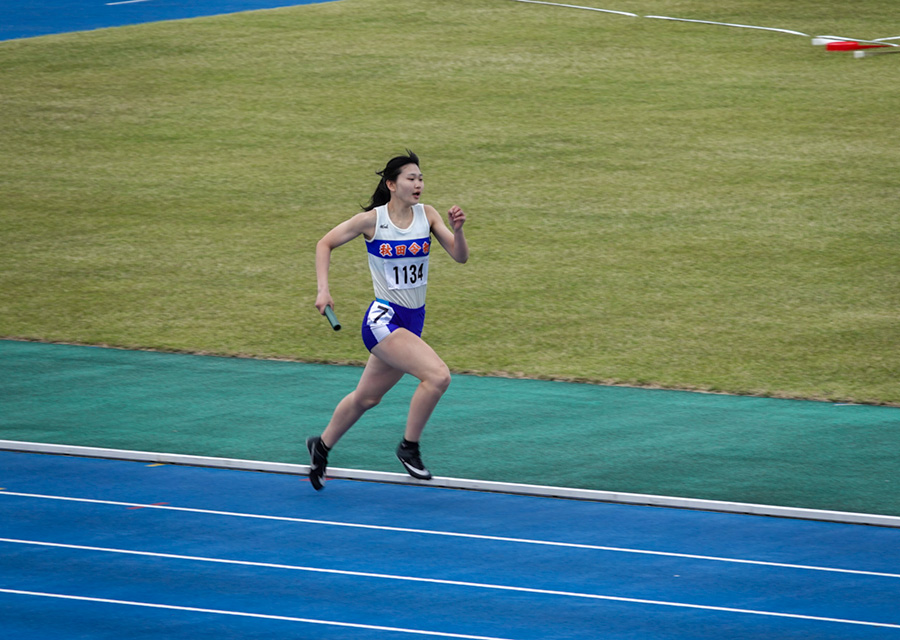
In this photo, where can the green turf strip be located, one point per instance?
(757, 450)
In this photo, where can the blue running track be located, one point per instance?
(112, 549)
(20, 19)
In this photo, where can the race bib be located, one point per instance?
(406, 273)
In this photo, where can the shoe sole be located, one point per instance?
(415, 473)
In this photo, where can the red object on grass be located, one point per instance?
(851, 46)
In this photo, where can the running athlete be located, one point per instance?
(398, 231)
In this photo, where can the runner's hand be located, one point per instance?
(457, 218)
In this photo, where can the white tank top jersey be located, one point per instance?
(398, 258)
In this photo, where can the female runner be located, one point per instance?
(398, 230)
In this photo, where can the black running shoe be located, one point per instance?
(318, 460)
(412, 461)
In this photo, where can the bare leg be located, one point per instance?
(377, 379)
(400, 353)
(404, 351)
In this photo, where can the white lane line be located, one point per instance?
(244, 614)
(551, 592)
(453, 534)
(113, 4)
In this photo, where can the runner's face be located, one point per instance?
(409, 184)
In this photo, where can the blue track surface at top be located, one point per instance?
(113, 549)
(22, 19)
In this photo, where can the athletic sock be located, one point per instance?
(406, 444)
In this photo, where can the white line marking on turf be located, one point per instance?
(729, 24)
(244, 614)
(453, 534)
(722, 24)
(113, 4)
(575, 6)
(822, 40)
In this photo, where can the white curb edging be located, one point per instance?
(640, 499)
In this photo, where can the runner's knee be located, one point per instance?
(366, 402)
(439, 379)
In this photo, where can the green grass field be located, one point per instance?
(650, 203)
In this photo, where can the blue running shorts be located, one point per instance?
(383, 318)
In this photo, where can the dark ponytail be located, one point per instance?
(390, 172)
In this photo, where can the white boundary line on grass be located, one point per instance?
(817, 40)
(592, 495)
(575, 6)
(729, 24)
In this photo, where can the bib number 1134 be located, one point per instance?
(406, 275)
